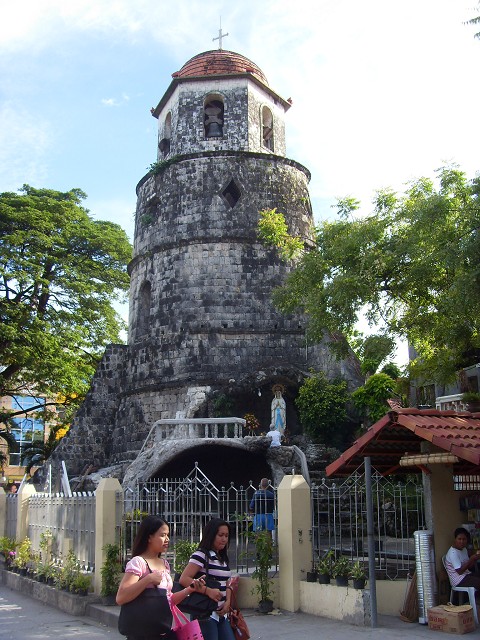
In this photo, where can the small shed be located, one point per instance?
(444, 446)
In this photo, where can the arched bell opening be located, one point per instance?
(213, 116)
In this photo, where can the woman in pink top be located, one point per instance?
(147, 570)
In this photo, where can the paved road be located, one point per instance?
(22, 618)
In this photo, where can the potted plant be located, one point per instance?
(472, 400)
(23, 556)
(264, 556)
(81, 584)
(70, 570)
(7, 549)
(111, 572)
(182, 550)
(341, 570)
(312, 575)
(324, 567)
(358, 575)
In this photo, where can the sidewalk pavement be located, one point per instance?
(22, 618)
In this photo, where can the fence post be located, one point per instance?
(106, 525)
(3, 512)
(294, 538)
(23, 499)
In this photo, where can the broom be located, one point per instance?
(409, 612)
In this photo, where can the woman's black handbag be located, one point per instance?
(198, 604)
(148, 615)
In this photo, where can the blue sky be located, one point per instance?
(383, 91)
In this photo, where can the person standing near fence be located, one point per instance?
(211, 558)
(262, 506)
(148, 570)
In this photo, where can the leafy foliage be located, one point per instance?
(111, 570)
(223, 406)
(274, 231)
(182, 550)
(475, 21)
(60, 272)
(372, 351)
(37, 452)
(412, 266)
(322, 409)
(372, 398)
(264, 555)
(159, 166)
(11, 445)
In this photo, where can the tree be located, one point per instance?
(322, 406)
(60, 273)
(7, 444)
(372, 350)
(37, 452)
(371, 398)
(475, 21)
(412, 265)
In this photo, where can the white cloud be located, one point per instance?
(24, 144)
(115, 102)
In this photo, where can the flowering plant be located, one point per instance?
(252, 424)
(10, 559)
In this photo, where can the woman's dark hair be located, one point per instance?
(208, 537)
(460, 530)
(148, 527)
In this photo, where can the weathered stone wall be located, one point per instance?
(90, 438)
(243, 101)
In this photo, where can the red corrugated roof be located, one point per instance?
(402, 431)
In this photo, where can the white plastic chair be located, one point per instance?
(469, 590)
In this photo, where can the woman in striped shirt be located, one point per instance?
(211, 557)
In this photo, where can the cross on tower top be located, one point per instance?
(220, 35)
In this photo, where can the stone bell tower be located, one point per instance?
(201, 320)
(201, 315)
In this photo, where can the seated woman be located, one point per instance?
(458, 563)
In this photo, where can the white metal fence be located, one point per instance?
(339, 521)
(338, 518)
(187, 504)
(11, 515)
(64, 517)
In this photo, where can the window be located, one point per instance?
(267, 128)
(164, 144)
(213, 117)
(144, 302)
(30, 427)
(231, 193)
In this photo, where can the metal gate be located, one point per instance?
(187, 504)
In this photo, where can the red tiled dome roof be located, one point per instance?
(219, 62)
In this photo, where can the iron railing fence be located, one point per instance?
(339, 521)
(64, 517)
(187, 504)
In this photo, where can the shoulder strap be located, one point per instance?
(233, 599)
(148, 566)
